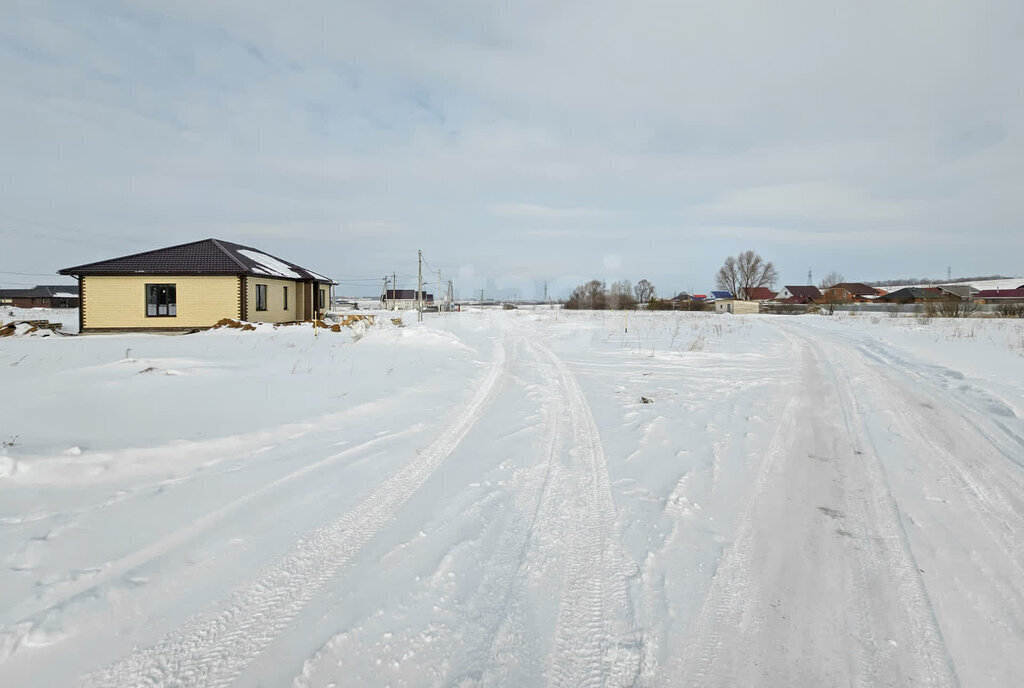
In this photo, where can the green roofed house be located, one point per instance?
(193, 286)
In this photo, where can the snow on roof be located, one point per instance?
(271, 266)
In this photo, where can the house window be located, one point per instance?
(161, 301)
(286, 298)
(321, 298)
(261, 297)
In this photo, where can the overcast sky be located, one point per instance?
(517, 142)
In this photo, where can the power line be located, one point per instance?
(427, 265)
(28, 274)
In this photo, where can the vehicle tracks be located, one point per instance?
(214, 647)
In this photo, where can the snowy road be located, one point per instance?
(485, 500)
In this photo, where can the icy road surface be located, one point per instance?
(484, 499)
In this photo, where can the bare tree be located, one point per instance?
(589, 296)
(644, 291)
(728, 277)
(831, 297)
(830, 280)
(738, 275)
(620, 295)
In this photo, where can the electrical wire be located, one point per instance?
(28, 274)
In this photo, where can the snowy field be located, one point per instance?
(485, 499)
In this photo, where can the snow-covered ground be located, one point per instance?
(485, 499)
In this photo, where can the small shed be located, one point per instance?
(737, 307)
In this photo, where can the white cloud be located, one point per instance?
(461, 121)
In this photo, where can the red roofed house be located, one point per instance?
(1000, 295)
(798, 294)
(849, 292)
(757, 294)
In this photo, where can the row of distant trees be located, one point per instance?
(595, 295)
(738, 275)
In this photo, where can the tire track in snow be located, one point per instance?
(91, 587)
(953, 455)
(213, 648)
(569, 531)
(741, 635)
(888, 553)
(489, 645)
(500, 642)
(596, 642)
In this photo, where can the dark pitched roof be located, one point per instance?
(963, 291)
(1001, 293)
(760, 294)
(909, 293)
(52, 291)
(808, 291)
(205, 257)
(405, 295)
(856, 288)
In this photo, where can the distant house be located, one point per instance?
(849, 292)
(798, 294)
(404, 299)
(45, 296)
(962, 292)
(195, 285)
(715, 295)
(757, 294)
(914, 295)
(1000, 295)
(858, 291)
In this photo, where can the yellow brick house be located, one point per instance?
(194, 285)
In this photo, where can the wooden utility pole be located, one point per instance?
(419, 291)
